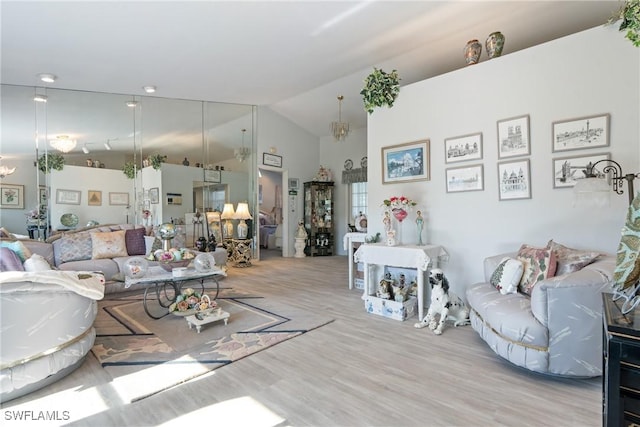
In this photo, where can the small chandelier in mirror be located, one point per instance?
(340, 129)
(4, 170)
(243, 152)
(63, 143)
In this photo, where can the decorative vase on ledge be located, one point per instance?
(472, 52)
(494, 44)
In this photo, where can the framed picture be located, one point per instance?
(212, 176)
(272, 160)
(119, 199)
(462, 148)
(514, 180)
(95, 198)
(154, 195)
(11, 196)
(406, 162)
(466, 178)
(68, 197)
(174, 198)
(568, 170)
(43, 194)
(513, 137)
(581, 133)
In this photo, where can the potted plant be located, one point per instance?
(129, 170)
(380, 89)
(629, 13)
(157, 160)
(51, 161)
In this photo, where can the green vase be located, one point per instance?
(494, 44)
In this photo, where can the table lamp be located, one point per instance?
(228, 214)
(242, 213)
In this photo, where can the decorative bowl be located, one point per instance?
(170, 265)
(136, 267)
(69, 220)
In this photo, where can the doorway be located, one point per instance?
(271, 221)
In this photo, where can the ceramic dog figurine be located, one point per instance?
(443, 304)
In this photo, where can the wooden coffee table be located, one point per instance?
(167, 287)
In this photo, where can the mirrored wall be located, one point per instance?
(181, 157)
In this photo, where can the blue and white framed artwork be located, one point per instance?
(406, 162)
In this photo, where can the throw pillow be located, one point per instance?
(539, 264)
(134, 240)
(5, 233)
(36, 263)
(74, 247)
(627, 271)
(507, 275)
(18, 247)
(108, 245)
(571, 260)
(9, 260)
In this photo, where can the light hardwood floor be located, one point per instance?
(360, 370)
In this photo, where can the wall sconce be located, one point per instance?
(242, 213)
(594, 187)
(228, 214)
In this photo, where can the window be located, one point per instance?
(358, 200)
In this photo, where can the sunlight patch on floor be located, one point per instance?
(243, 411)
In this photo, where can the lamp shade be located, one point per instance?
(242, 212)
(227, 212)
(592, 192)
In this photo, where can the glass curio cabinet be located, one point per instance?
(318, 218)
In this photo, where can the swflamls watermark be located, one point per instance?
(26, 415)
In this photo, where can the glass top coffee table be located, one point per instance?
(162, 287)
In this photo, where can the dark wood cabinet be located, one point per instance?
(318, 218)
(621, 365)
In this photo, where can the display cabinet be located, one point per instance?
(318, 218)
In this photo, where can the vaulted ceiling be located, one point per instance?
(294, 56)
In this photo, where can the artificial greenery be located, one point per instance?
(51, 161)
(629, 13)
(380, 89)
(129, 170)
(157, 160)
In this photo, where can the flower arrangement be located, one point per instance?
(172, 255)
(629, 13)
(380, 89)
(190, 301)
(398, 203)
(129, 170)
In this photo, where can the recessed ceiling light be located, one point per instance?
(47, 77)
(131, 104)
(40, 98)
(149, 89)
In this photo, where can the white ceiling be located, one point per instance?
(293, 56)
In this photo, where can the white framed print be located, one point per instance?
(581, 133)
(513, 137)
(514, 180)
(465, 178)
(567, 171)
(462, 148)
(406, 162)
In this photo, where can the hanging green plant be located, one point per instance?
(629, 13)
(157, 160)
(51, 161)
(129, 170)
(380, 89)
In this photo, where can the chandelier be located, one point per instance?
(63, 143)
(243, 152)
(4, 171)
(340, 129)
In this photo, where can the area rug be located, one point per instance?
(144, 356)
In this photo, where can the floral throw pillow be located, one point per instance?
(507, 275)
(539, 264)
(627, 271)
(73, 247)
(571, 260)
(109, 245)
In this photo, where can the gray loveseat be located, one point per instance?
(557, 330)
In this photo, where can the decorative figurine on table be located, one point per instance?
(387, 221)
(391, 238)
(301, 233)
(420, 225)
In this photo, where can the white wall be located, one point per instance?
(589, 73)
(333, 155)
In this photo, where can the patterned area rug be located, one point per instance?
(144, 356)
